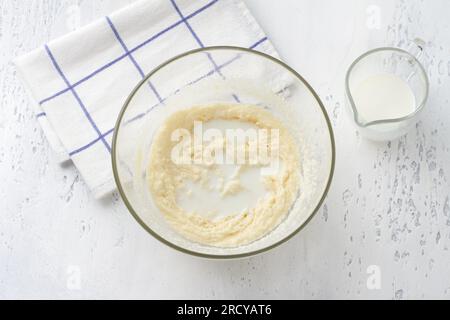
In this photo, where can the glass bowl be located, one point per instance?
(222, 75)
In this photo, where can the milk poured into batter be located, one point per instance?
(223, 204)
(383, 96)
(229, 189)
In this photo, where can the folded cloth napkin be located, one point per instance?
(82, 80)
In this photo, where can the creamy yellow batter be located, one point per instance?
(166, 179)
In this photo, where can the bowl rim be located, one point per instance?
(221, 256)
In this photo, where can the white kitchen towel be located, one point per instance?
(82, 80)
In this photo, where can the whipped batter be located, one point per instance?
(223, 205)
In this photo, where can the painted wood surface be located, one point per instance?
(388, 209)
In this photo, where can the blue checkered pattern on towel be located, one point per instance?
(84, 78)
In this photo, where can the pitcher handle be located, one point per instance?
(416, 49)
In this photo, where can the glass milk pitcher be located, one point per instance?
(386, 90)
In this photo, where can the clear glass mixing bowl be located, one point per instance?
(222, 75)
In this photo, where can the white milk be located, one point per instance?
(383, 96)
(208, 199)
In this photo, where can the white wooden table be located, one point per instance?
(388, 211)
